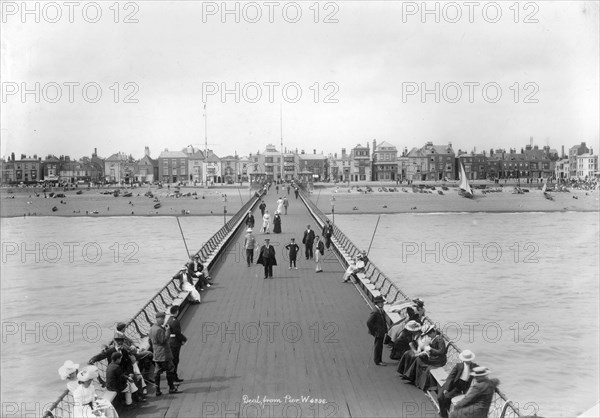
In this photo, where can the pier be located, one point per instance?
(295, 345)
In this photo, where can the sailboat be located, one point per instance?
(463, 186)
(546, 194)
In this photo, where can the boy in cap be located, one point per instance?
(249, 243)
(293, 249)
(163, 358)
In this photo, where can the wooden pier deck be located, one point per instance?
(266, 348)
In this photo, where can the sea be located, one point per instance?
(521, 290)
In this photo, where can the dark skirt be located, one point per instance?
(277, 226)
(420, 368)
(406, 361)
(400, 347)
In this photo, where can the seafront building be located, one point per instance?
(362, 164)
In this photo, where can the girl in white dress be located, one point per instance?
(87, 404)
(266, 222)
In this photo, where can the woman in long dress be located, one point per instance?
(266, 222)
(87, 404)
(432, 357)
(277, 223)
(417, 347)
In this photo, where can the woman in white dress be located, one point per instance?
(87, 404)
(68, 371)
(266, 222)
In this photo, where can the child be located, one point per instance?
(293, 248)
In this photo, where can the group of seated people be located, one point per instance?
(358, 265)
(129, 370)
(419, 347)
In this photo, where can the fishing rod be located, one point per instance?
(373, 237)
(181, 230)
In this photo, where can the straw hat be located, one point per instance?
(66, 369)
(249, 230)
(426, 328)
(89, 373)
(412, 326)
(119, 335)
(466, 355)
(480, 371)
(420, 303)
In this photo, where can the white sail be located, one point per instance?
(464, 184)
(544, 186)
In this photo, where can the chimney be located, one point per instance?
(95, 152)
(335, 155)
(12, 156)
(22, 156)
(35, 156)
(531, 141)
(374, 145)
(449, 144)
(147, 151)
(314, 151)
(343, 153)
(562, 152)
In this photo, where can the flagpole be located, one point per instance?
(205, 148)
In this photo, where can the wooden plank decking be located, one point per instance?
(300, 334)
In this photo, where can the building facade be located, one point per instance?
(385, 162)
(587, 166)
(172, 167)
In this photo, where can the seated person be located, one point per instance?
(68, 371)
(119, 382)
(187, 284)
(195, 269)
(357, 266)
(457, 382)
(402, 341)
(417, 346)
(416, 313)
(478, 399)
(432, 356)
(85, 399)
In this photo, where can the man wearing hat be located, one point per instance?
(249, 243)
(378, 328)
(358, 266)
(176, 339)
(327, 233)
(118, 381)
(266, 257)
(478, 399)
(457, 382)
(308, 239)
(163, 358)
(187, 283)
(250, 220)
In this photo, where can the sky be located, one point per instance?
(322, 76)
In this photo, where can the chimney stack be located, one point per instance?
(314, 151)
(343, 153)
(374, 145)
(147, 151)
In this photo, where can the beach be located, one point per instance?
(210, 202)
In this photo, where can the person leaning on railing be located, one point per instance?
(145, 365)
(86, 402)
(458, 381)
(478, 399)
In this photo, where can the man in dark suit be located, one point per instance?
(266, 257)
(458, 381)
(262, 208)
(308, 240)
(327, 233)
(177, 339)
(378, 328)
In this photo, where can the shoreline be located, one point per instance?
(25, 203)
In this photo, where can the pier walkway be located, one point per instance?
(295, 345)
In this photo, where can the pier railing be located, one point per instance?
(345, 249)
(138, 328)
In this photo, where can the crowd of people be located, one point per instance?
(132, 369)
(419, 348)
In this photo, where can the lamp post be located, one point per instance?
(224, 209)
(333, 208)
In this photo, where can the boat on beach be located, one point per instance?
(464, 189)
